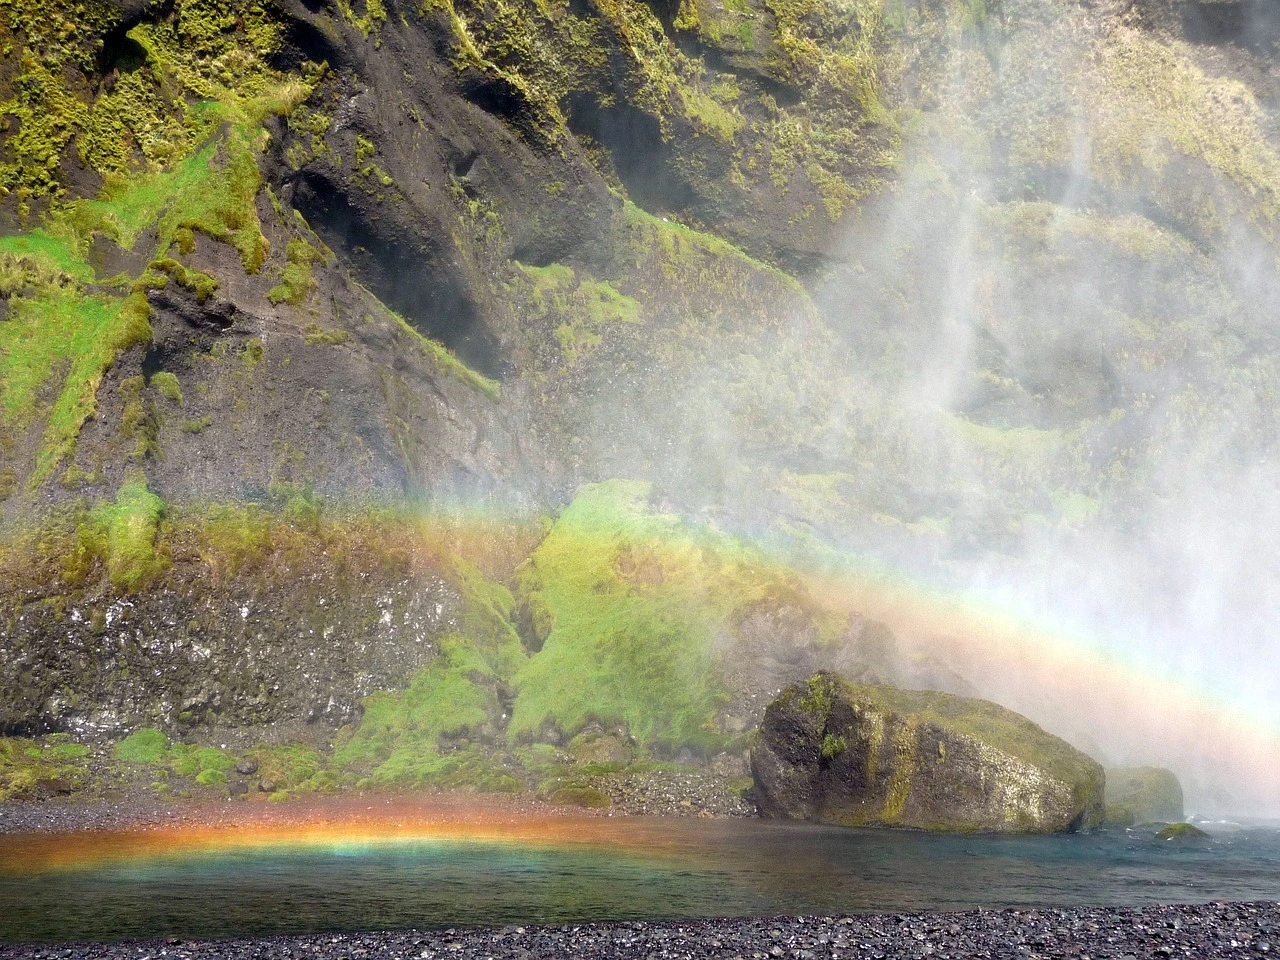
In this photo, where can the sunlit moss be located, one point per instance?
(630, 601)
(26, 764)
(128, 528)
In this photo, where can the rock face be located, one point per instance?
(1142, 794)
(836, 752)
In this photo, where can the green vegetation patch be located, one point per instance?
(30, 769)
(584, 307)
(127, 532)
(626, 603)
(297, 282)
(419, 735)
(67, 337)
(446, 362)
(206, 765)
(292, 768)
(589, 797)
(1183, 832)
(143, 746)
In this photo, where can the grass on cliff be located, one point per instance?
(206, 765)
(57, 332)
(128, 529)
(413, 736)
(627, 603)
(175, 137)
(281, 768)
(445, 361)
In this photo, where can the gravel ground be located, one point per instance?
(70, 814)
(1202, 931)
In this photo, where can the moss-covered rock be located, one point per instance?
(1142, 795)
(1182, 833)
(838, 753)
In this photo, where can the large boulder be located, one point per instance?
(836, 752)
(1142, 795)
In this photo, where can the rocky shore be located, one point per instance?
(1088, 933)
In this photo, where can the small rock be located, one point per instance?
(246, 768)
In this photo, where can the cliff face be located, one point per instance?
(937, 279)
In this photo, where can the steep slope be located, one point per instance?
(978, 289)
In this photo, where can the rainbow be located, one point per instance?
(1097, 692)
(342, 825)
(1073, 683)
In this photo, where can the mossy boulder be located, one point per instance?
(1142, 795)
(1182, 833)
(837, 752)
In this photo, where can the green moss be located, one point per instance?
(1181, 832)
(446, 362)
(316, 335)
(632, 602)
(578, 796)
(168, 385)
(143, 746)
(138, 419)
(297, 282)
(987, 722)
(904, 768)
(833, 746)
(208, 765)
(293, 767)
(401, 737)
(370, 21)
(201, 284)
(584, 307)
(126, 531)
(62, 329)
(26, 765)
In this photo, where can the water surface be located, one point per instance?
(289, 878)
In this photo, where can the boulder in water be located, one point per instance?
(1182, 833)
(837, 752)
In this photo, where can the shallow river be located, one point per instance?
(416, 872)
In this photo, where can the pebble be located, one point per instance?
(1203, 931)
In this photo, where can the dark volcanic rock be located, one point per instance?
(1203, 931)
(839, 753)
(302, 639)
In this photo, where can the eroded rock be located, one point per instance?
(837, 752)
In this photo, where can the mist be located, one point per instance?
(1044, 379)
(1085, 317)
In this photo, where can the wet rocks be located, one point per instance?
(1203, 931)
(694, 793)
(835, 752)
(1182, 833)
